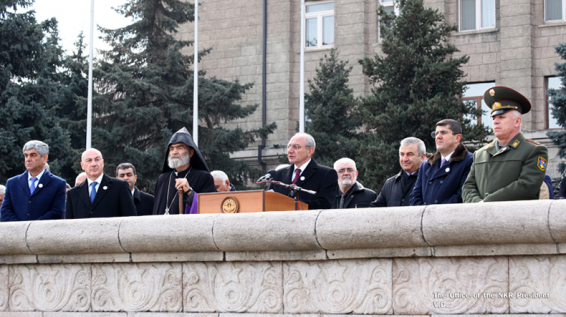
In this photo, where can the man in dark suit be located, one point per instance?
(36, 194)
(306, 173)
(143, 201)
(441, 177)
(100, 195)
(351, 193)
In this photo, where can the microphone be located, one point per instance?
(267, 176)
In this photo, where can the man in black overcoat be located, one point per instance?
(100, 195)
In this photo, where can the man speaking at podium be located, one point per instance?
(306, 173)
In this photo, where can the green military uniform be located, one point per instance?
(511, 172)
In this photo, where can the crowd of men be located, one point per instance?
(510, 167)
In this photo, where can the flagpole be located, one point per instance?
(302, 72)
(89, 102)
(195, 75)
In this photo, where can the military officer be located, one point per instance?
(511, 167)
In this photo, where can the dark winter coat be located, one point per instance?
(442, 185)
(356, 197)
(396, 191)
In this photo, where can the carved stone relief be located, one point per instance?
(538, 284)
(450, 285)
(250, 287)
(338, 287)
(50, 287)
(136, 287)
(4, 292)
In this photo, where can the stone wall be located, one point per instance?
(451, 259)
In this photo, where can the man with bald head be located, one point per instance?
(80, 179)
(100, 195)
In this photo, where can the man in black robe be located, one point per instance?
(183, 168)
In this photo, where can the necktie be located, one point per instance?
(297, 172)
(341, 201)
(32, 186)
(443, 162)
(93, 191)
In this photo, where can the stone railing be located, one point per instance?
(493, 258)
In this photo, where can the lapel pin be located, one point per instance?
(105, 187)
(302, 178)
(40, 185)
(447, 169)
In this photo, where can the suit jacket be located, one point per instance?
(315, 177)
(143, 202)
(113, 199)
(46, 202)
(442, 184)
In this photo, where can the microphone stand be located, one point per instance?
(294, 190)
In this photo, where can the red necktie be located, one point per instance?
(297, 172)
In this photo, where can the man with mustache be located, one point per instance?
(351, 194)
(305, 172)
(100, 195)
(511, 167)
(441, 177)
(183, 168)
(397, 189)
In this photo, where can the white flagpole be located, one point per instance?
(302, 72)
(89, 103)
(195, 88)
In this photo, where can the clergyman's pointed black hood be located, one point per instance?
(183, 136)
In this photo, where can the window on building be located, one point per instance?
(474, 93)
(476, 14)
(551, 83)
(319, 24)
(390, 7)
(554, 10)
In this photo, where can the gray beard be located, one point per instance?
(175, 163)
(349, 182)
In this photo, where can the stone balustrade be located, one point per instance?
(492, 258)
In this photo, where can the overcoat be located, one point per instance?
(396, 191)
(515, 172)
(143, 202)
(113, 199)
(357, 197)
(442, 185)
(46, 202)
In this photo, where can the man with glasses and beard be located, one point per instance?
(183, 168)
(351, 194)
(441, 177)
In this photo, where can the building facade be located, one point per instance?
(510, 43)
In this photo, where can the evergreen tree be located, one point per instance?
(558, 107)
(416, 82)
(330, 108)
(145, 84)
(29, 58)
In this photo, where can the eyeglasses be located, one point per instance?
(346, 170)
(296, 146)
(434, 134)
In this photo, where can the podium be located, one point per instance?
(246, 201)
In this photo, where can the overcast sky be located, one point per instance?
(74, 16)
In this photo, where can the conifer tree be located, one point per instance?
(145, 85)
(331, 110)
(29, 58)
(558, 107)
(417, 82)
